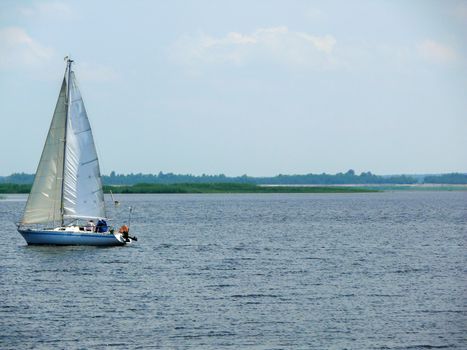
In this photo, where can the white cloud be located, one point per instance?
(437, 52)
(55, 10)
(325, 44)
(96, 73)
(277, 45)
(18, 49)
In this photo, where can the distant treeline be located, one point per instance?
(17, 178)
(347, 178)
(454, 179)
(309, 179)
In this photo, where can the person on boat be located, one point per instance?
(124, 231)
(101, 226)
(90, 225)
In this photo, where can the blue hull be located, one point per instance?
(68, 238)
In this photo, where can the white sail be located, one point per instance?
(82, 189)
(44, 201)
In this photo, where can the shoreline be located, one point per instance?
(229, 188)
(206, 188)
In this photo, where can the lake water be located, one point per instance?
(261, 271)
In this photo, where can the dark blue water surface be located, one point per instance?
(261, 271)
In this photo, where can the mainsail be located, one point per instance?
(82, 190)
(68, 180)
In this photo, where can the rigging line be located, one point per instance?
(89, 161)
(80, 132)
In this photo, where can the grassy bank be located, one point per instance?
(205, 188)
(229, 188)
(14, 188)
(247, 188)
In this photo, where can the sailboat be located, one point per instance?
(67, 188)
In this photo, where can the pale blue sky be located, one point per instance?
(234, 87)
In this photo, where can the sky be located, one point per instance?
(242, 87)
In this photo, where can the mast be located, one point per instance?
(67, 103)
